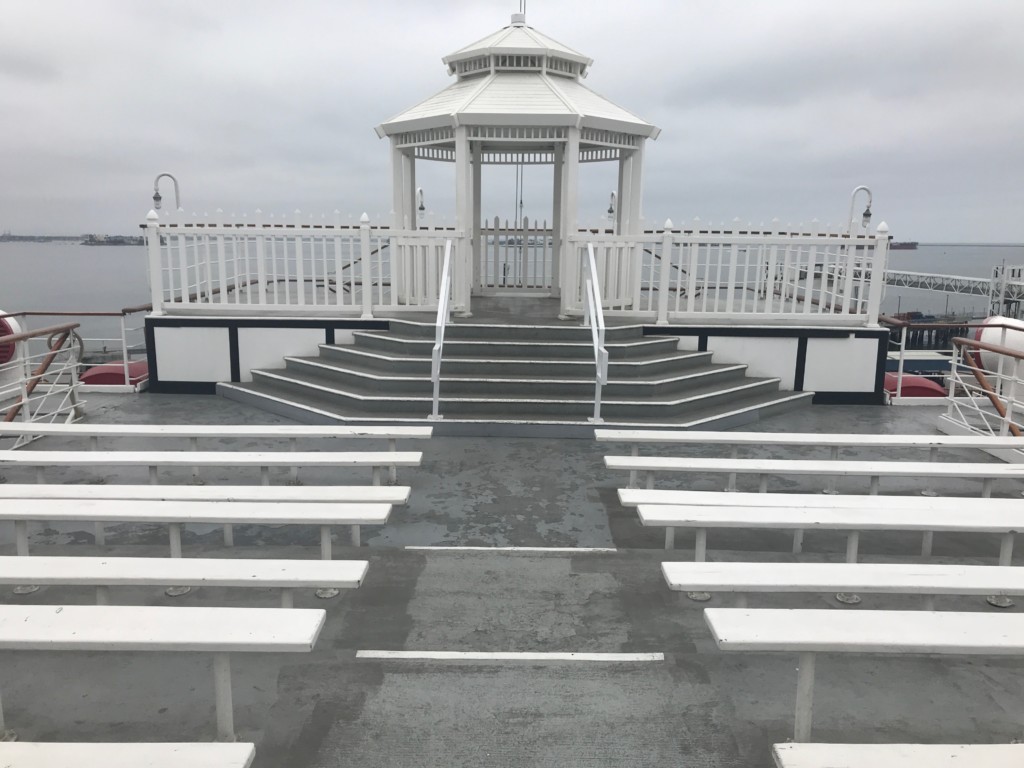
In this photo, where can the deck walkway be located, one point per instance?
(330, 708)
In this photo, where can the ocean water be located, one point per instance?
(70, 277)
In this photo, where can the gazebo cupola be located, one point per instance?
(518, 97)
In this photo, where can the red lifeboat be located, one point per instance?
(913, 386)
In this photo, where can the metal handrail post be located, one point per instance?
(899, 372)
(124, 351)
(443, 310)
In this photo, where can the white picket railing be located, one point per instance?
(301, 266)
(515, 257)
(724, 276)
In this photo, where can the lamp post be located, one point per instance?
(611, 212)
(156, 192)
(421, 209)
(865, 217)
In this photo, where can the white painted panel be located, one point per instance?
(688, 343)
(344, 336)
(267, 347)
(841, 365)
(192, 354)
(772, 357)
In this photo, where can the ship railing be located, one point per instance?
(127, 346)
(440, 325)
(986, 388)
(736, 276)
(39, 380)
(296, 266)
(593, 317)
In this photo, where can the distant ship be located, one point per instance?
(906, 245)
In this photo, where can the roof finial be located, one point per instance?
(519, 19)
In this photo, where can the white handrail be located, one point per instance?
(594, 311)
(443, 311)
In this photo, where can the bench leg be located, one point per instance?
(852, 544)
(798, 541)
(731, 485)
(762, 484)
(670, 537)
(741, 600)
(21, 538)
(264, 475)
(986, 488)
(326, 554)
(102, 595)
(926, 543)
(929, 602)
(40, 476)
(222, 695)
(287, 597)
(804, 698)
(634, 451)
(1005, 558)
(376, 475)
(5, 734)
(650, 480)
(229, 535)
(174, 535)
(100, 536)
(830, 489)
(874, 486)
(392, 470)
(154, 476)
(700, 545)
(355, 536)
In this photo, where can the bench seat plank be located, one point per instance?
(806, 438)
(817, 467)
(880, 518)
(191, 572)
(844, 577)
(185, 512)
(148, 628)
(214, 458)
(631, 497)
(891, 632)
(28, 754)
(209, 430)
(396, 494)
(898, 755)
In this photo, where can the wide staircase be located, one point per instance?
(513, 374)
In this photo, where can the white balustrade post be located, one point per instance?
(878, 262)
(364, 268)
(156, 273)
(664, 277)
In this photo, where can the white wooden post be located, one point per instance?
(569, 279)
(804, 698)
(878, 262)
(156, 274)
(364, 268)
(664, 278)
(222, 695)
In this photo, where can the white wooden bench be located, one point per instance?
(631, 497)
(177, 514)
(808, 632)
(898, 755)
(30, 754)
(194, 433)
(106, 572)
(985, 471)
(834, 442)
(263, 460)
(977, 519)
(928, 580)
(119, 628)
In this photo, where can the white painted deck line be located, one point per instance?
(512, 549)
(506, 656)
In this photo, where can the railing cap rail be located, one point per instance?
(48, 331)
(997, 348)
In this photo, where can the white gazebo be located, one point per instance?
(518, 98)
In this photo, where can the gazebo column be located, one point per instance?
(631, 178)
(476, 246)
(569, 273)
(556, 220)
(634, 224)
(398, 197)
(462, 270)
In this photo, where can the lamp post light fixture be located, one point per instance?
(156, 191)
(611, 212)
(865, 217)
(421, 209)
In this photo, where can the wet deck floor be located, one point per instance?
(697, 707)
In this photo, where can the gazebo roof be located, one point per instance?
(517, 77)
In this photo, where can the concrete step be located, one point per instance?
(512, 348)
(467, 331)
(530, 379)
(351, 356)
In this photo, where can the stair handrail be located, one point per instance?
(593, 316)
(443, 316)
(965, 358)
(59, 338)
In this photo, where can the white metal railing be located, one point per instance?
(593, 316)
(300, 265)
(443, 317)
(39, 382)
(515, 256)
(986, 392)
(739, 276)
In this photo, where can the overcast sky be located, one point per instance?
(774, 108)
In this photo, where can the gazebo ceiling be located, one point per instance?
(517, 90)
